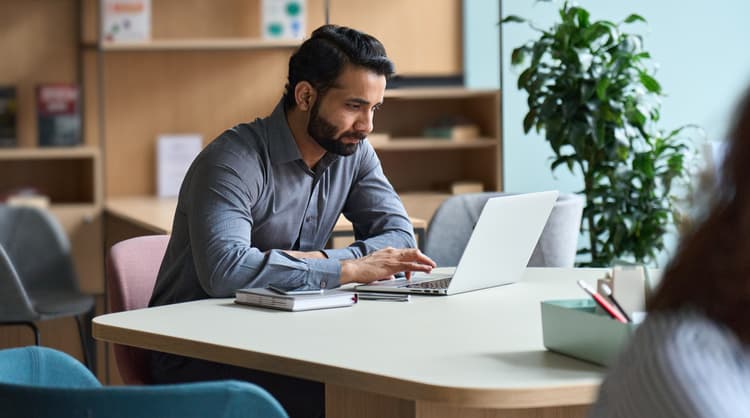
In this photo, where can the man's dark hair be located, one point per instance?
(321, 59)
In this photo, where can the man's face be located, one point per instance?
(343, 117)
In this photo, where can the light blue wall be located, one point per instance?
(704, 65)
(481, 43)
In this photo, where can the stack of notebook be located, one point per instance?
(268, 298)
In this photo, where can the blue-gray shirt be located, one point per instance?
(249, 195)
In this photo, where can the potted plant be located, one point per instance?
(591, 91)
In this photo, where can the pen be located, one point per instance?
(393, 297)
(608, 292)
(611, 310)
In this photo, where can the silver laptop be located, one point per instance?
(497, 253)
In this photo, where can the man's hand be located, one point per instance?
(383, 264)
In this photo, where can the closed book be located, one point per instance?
(58, 114)
(267, 298)
(8, 111)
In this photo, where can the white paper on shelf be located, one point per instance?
(174, 154)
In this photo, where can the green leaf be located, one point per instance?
(513, 19)
(649, 83)
(601, 89)
(518, 56)
(528, 121)
(635, 18)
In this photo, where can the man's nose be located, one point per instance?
(364, 122)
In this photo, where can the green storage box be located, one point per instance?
(572, 327)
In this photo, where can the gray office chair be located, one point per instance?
(450, 228)
(37, 278)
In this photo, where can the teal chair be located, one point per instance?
(42, 382)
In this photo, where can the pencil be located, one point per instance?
(610, 295)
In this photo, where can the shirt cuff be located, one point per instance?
(326, 273)
(341, 253)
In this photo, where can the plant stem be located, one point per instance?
(588, 179)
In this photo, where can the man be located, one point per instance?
(260, 202)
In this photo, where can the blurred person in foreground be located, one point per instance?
(691, 356)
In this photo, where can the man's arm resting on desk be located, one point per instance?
(381, 264)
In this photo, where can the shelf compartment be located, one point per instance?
(65, 175)
(436, 169)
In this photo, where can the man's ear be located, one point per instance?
(304, 95)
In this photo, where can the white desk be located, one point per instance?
(469, 355)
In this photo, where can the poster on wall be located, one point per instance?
(283, 19)
(126, 20)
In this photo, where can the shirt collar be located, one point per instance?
(282, 146)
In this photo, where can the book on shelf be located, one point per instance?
(283, 19)
(174, 154)
(58, 114)
(126, 20)
(8, 112)
(268, 298)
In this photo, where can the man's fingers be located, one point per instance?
(413, 254)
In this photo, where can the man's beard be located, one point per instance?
(324, 132)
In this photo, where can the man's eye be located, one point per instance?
(353, 106)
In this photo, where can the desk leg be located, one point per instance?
(344, 402)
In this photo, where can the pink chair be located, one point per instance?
(132, 266)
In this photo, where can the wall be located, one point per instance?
(481, 43)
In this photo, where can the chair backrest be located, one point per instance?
(451, 226)
(132, 266)
(43, 367)
(36, 244)
(42, 382)
(558, 244)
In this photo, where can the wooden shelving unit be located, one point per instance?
(423, 168)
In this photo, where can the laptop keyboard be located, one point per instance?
(432, 284)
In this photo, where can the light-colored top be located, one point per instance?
(249, 195)
(477, 349)
(678, 365)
